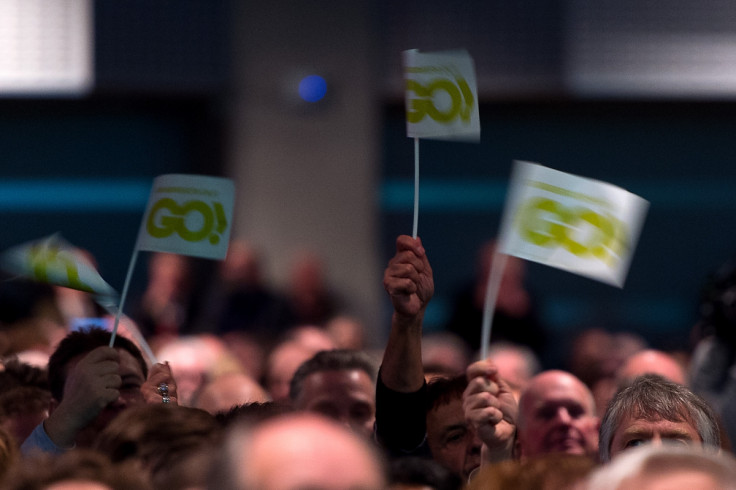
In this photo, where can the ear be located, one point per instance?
(53, 405)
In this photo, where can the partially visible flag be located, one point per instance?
(441, 95)
(573, 223)
(52, 260)
(188, 215)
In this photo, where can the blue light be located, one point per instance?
(312, 88)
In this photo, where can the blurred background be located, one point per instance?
(99, 97)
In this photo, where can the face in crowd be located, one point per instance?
(557, 415)
(345, 395)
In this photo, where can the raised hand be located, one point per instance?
(491, 409)
(408, 278)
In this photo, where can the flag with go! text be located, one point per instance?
(54, 261)
(441, 95)
(188, 215)
(580, 225)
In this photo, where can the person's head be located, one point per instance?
(22, 408)
(194, 359)
(173, 445)
(339, 384)
(346, 332)
(666, 468)
(80, 469)
(296, 451)
(282, 363)
(132, 369)
(444, 354)
(250, 414)
(653, 362)
(556, 415)
(654, 409)
(80, 342)
(556, 471)
(417, 473)
(516, 364)
(450, 439)
(226, 391)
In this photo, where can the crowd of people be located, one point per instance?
(244, 388)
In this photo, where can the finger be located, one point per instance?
(101, 354)
(484, 368)
(479, 401)
(405, 242)
(406, 259)
(111, 381)
(401, 287)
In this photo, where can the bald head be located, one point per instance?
(301, 451)
(228, 390)
(652, 361)
(557, 415)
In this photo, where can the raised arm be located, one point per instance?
(409, 283)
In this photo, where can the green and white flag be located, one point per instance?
(441, 95)
(54, 261)
(573, 223)
(188, 215)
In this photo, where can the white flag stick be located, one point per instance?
(124, 295)
(416, 188)
(498, 264)
(134, 332)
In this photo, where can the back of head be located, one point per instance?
(42, 471)
(331, 360)
(417, 472)
(296, 451)
(172, 443)
(81, 342)
(550, 472)
(651, 397)
(652, 361)
(228, 390)
(669, 466)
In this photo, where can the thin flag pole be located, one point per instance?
(416, 187)
(124, 295)
(493, 287)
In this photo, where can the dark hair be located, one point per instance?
(442, 390)
(172, 443)
(81, 342)
(331, 360)
(16, 374)
(40, 470)
(417, 471)
(251, 413)
(653, 397)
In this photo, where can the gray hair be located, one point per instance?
(652, 397)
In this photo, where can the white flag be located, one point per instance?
(441, 95)
(580, 225)
(188, 215)
(54, 261)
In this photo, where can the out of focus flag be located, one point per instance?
(188, 215)
(441, 95)
(573, 223)
(54, 261)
